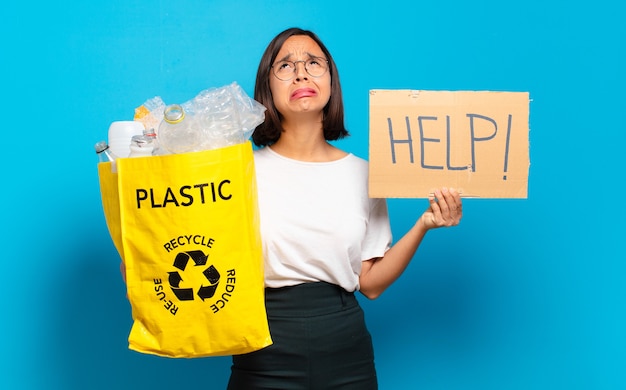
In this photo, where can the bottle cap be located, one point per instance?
(101, 146)
(140, 140)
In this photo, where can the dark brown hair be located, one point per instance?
(269, 131)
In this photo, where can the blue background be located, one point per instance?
(524, 294)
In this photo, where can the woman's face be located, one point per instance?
(303, 93)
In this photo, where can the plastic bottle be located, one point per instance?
(178, 132)
(141, 146)
(156, 149)
(105, 154)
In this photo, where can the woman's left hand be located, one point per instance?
(445, 209)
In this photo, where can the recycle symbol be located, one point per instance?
(192, 274)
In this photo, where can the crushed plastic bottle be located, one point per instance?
(150, 113)
(215, 118)
(226, 116)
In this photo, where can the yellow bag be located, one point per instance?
(187, 229)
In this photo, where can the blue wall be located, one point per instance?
(524, 294)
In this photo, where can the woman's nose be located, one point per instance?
(300, 70)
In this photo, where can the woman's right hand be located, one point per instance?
(445, 210)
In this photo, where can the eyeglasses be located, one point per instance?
(285, 70)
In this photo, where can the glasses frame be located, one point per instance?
(295, 67)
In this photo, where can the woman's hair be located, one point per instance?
(269, 131)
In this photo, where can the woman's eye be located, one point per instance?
(284, 66)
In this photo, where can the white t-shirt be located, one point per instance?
(317, 221)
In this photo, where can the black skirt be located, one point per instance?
(320, 340)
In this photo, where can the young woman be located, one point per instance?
(323, 237)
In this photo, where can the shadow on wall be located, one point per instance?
(92, 331)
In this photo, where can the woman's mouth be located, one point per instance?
(303, 92)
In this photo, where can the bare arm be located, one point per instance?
(377, 274)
